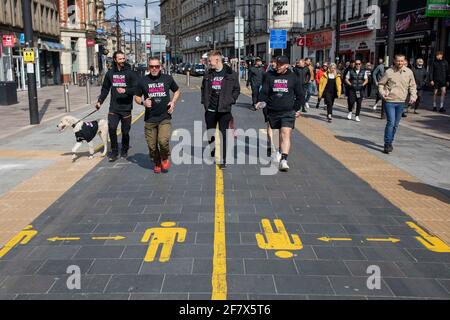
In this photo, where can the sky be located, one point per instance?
(137, 10)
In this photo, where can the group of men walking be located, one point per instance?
(281, 91)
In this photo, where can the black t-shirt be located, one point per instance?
(158, 90)
(216, 87)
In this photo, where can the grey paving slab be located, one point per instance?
(250, 284)
(27, 284)
(417, 288)
(88, 284)
(303, 285)
(73, 296)
(338, 253)
(135, 283)
(387, 269)
(173, 266)
(425, 270)
(99, 252)
(115, 266)
(153, 296)
(59, 267)
(322, 268)
(187, 283)
(357, 286)
(265, 266)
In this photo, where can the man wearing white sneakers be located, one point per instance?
(356, 80)
(283, 94)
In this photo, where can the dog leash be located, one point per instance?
(73, 126)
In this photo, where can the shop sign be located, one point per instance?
(407, 22)
(438, 9)
(8, 40)
(90, 42)
(319, 40)
(363, 46)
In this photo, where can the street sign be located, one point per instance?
(28, 55)
(278, 39)
(239, 32)
(8, 40)
(22, 38)
(148, 45)
(301, 41)
(158, 43)
(90, 42)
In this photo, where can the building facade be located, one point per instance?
(358, 33)
(46, 38)
(80, 21)
(171, 23)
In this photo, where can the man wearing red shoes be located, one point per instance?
(156, 87)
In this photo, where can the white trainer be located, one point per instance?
(349, 116)
(307, 105)
(284, 165)
(375, 107)
(278, 156)
(357, 119)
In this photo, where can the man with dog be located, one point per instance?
(122, 82)
(156, 87)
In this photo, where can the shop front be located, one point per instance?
(319, 45)
(357, 41)
(412, 35)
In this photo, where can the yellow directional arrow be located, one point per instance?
(393, 240)
(109, 238)
(62, 239)
(432, 243)
(327, 239)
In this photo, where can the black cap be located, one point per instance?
(283, 60)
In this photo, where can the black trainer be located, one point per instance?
(386, 149)
(390, 148)
(223, 166)
(112, 157)
(442, 110)
(124, 154)
(434, 109)
(317, 105)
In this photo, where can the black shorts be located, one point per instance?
(278, 120)
(266, 119)
(438, 85)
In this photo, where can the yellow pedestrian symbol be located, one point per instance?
(430, 242)
(23, 237)
(166, 236)
(279, 240)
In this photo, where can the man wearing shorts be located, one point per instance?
(439, 79)
(283, 95)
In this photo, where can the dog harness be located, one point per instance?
(88, 131)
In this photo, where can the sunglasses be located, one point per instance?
(154, 67)
(358, 64)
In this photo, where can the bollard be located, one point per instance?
(188, 79)
(88, 91)
(66, 97)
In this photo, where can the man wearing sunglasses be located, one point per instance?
(356, 80)
(121, 81)
(156, 87)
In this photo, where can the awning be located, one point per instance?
(53, 46)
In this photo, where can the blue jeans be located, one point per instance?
(394, 112)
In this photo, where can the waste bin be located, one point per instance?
(8, 93)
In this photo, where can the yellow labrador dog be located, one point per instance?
(86, 131)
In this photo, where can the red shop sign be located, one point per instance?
(90, 42)
(8, 40)
(319, 40)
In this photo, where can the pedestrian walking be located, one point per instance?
(318, 76)
(377, 74)
(439, 79)
(220, 90)
(330, 88)
(421, 78)
(356, 79)
(155, 87)
(255, 75)
(283, 96)
(303, 72)
(311, 84)
(395, 86)
(121, 81)
(271, 69)
(368, 69)
(349, 66)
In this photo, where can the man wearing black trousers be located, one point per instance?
(255, 76)
(356, 80)
(122, 82)
(220, 90)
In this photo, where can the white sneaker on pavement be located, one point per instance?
(307, 105)
(375, 107)
(349, 116)
(357, 119)
(284, 166)
(278, 156)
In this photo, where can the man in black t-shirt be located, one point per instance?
(156, 87)
(220, 90)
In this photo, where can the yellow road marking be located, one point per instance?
(279, 240)
(166, 237)
(63, 239)
(393, 240)
(219, 274)
(430, 242)
(327, 239)
(109, 238)
(23, 237)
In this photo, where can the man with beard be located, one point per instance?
(121, 81)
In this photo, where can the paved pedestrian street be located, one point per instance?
(343, 223)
